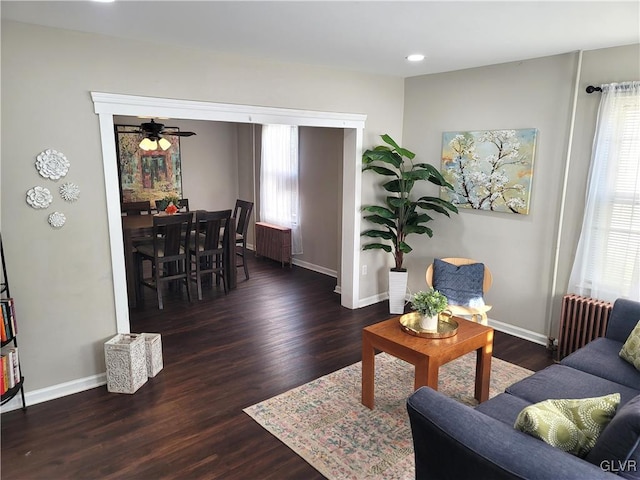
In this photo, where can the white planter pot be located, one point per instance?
(397, 291)
(429, 323)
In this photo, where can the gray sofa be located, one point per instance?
(454, 441)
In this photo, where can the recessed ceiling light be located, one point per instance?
(415, 57)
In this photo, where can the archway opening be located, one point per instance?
(107, 105)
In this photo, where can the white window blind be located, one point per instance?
(607, 263)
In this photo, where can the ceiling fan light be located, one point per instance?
(147, 144)
(164, 144)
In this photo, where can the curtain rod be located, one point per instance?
(591, 89)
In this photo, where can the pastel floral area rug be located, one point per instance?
(325, 423)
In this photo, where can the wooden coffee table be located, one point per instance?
(426, 354)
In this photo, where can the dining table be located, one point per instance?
(139, 226)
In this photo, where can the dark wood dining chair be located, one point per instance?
(242, 214)
(207, 247)
(136, 208)
(168, 253)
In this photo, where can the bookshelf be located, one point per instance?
(12, 381)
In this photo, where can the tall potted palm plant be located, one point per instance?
(401, 215)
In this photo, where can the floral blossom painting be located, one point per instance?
(489, 170)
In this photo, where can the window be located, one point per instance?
(279, 198)
(607, 264)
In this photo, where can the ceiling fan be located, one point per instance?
(153, 136)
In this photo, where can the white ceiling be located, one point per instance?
(366, 36)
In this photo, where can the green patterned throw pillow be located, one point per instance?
(631, 348)
(570, 425)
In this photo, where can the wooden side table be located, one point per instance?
(427, 355)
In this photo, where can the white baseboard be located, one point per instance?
(380, 297)
(518, 332)
(309, 266)
(315, 268)
(56, 391)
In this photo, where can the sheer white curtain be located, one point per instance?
(607, 263)
(279, 197)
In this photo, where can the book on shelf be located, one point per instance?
(15, 364)
(10, 369)
(3, 328)
(9, 317)
(5, 373)
(13, 323)
(11, 379)
(6, 319)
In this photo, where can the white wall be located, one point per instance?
(61, 279)
(519, 249)
(321, 196)
(210, 171)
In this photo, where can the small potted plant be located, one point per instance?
(171, 208)
(166, 201)
(429, 304)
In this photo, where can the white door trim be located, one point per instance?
(106, 105)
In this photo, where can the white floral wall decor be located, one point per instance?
(52, 164)
(39, 197)
(69, 192)
(57, 219)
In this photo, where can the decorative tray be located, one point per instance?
(447, 326)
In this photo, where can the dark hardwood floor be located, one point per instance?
(280, 329)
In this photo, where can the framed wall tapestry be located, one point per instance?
(147, 175)
(489, 170)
